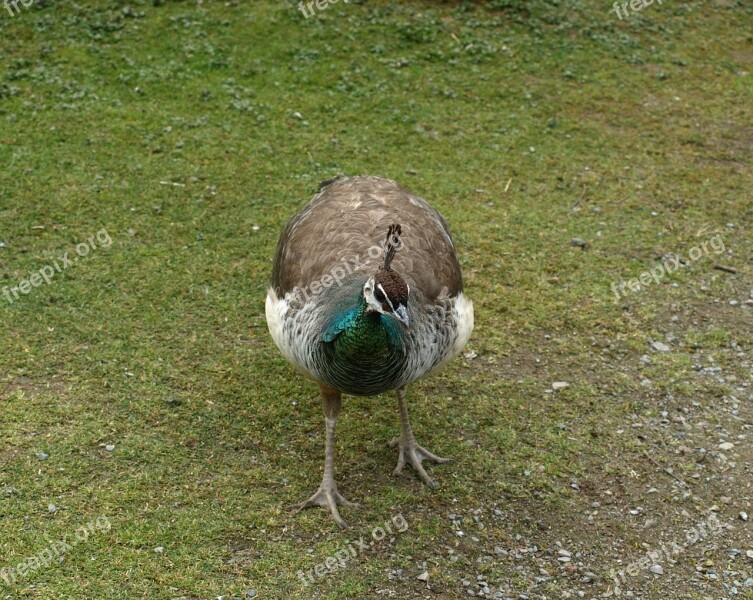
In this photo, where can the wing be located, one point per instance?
(345, 225)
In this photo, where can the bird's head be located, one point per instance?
(386, 292)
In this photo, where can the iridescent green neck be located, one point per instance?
(362, 350)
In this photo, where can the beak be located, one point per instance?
(402, 315)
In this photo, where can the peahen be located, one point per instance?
(367, 297)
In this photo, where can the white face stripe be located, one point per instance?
(392, 308)
(371, 301)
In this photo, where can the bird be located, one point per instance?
(366, 297)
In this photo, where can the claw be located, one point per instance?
(327, 496)
(414, 455)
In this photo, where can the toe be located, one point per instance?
(400, 464)
(425, 477)
(434, 458)
(347, 503)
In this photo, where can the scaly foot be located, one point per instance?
(327, 496)
(413, 454)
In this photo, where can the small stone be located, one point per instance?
(52, 508)
(660, 347)
(749, 554)
(42, 456)
(159, 549)
(110, 447)
(726, 446)
(560, 385)
(251, 594)
(423, 576)
(657, 570)
(579, 243)
(743, 515)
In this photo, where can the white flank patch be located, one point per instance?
(464, 309)
(462, 313)
(276, 309)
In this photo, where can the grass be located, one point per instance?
(190, 132)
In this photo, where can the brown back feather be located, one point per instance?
(350, 216)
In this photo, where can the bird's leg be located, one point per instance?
(410, 451)
(327, 494)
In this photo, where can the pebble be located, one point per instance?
(42, 456)
(743, 515)
(726, 446)
(251, 594)
(423, 576)
(657, 570)
(110, 447)
(560, 385)
(660, 347)
(159, 549)
(52, 508)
